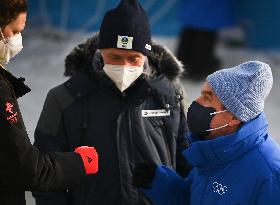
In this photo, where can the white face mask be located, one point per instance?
(123, 76)
(9, 47)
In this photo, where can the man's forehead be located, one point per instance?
(206, 87)
(122, 52)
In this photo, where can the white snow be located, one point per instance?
(42, 64)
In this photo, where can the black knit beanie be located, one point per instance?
(126, 27)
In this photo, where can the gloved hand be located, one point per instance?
(90, 158)
(143, 174)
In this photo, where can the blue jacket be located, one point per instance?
(238, 169)
(207, 14)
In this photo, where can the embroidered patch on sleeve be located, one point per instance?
(10, 113)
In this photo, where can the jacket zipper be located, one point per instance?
(166, 146)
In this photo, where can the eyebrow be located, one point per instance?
(120, 56)
(113, 55)
(135, 56)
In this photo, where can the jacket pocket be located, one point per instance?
(161, 135)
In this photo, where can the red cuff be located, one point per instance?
(90, 158)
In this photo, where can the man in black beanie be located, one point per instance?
(124, 97)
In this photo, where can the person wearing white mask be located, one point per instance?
(9, 47)
(23, 166)
(125, 98)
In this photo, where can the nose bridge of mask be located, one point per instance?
(113, 69)
(116, 68)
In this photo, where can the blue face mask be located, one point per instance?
(199, 120)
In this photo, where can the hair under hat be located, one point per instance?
(243, 89)
(126, 27)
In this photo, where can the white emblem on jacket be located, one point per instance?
(155, 113)
(219, 188)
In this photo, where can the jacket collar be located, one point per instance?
(212, 153)
(82, 84)
(164, 69)
(18, 86)
(87, 56)
(164, 91)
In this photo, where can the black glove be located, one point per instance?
(143, 174)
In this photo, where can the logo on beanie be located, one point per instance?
(124, 42)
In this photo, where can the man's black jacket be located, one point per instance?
(146, 122)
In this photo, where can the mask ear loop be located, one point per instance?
(214, 113)
(217, 128)
(3, 37)
(2, 34)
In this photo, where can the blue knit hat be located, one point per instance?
(243, 89)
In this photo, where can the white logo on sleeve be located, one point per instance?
(124, 42)
(155, 113)
(148, 47)
(219, 188)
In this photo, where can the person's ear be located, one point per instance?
(102, 55)
(101, 52)
(234, 122)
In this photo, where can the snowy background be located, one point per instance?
(42, 64)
